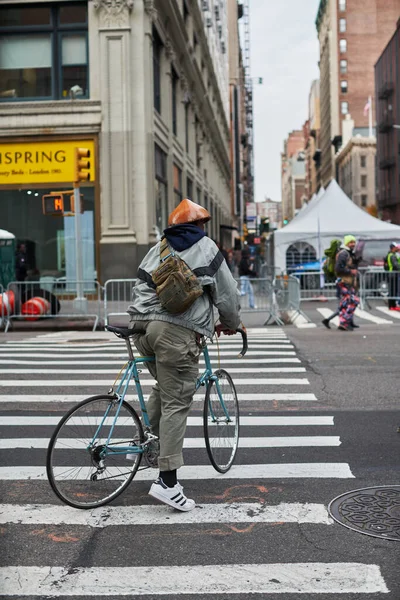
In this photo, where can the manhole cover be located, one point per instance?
(373, 511)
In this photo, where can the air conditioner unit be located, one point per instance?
(220, 30)
(223, 47)
(209, 22)
(205, 5)
(217, 16)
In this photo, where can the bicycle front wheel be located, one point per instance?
(83, 469)
(221, 421)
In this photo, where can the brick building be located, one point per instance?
(311, 131)
(352, 34)
(293, 174)
(387, 80)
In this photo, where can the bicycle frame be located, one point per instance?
(131, 371)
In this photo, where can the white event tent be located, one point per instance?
(330, 215)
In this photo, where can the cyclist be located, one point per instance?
(176, 339)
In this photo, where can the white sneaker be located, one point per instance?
(172, 496)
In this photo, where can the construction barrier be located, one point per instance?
(59, 301)
(117, 298)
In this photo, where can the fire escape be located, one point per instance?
(249, 171)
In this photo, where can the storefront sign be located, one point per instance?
(41, 162)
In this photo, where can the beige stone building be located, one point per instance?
(356, 171)
(145, 85)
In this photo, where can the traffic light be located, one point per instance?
(81, 165)
(285, 221)
(53, 204)
(264, 225)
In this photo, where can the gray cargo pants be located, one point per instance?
(176, 370)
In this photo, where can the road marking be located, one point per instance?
(284, 342)
(227, 579)
(237, 512)
(326, 313)
(390, 313)
(252, 471)
(53, 398)
(145, 383)
(229, 361)
(363, 314)
(246, 442)
(4, 350)
(212, 353)
(299, 320)
(192, 421)
(243, 370)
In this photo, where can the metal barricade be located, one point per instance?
(288, 296)
(313, 286)
(117, 297)
(379, 285)
(59, 302)
(254, 293)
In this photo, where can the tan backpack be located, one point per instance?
(177, 286)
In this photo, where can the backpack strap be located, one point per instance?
(165, 251)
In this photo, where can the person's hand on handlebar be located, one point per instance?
(221, 328)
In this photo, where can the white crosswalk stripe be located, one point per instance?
(287, 447)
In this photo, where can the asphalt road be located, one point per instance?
(271, 536)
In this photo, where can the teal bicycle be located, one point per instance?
(98, 446)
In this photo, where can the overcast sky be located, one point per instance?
(284, 52)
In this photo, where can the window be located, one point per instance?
(363, 160)
(363, 181)
(364, 200)
(342, 25)
(175, 80)
(44, 52)
(177, 184)
(157, 53)
(343, 66)
(342, 5)
(189, 188)
(199, 196)
(161, 188)
(343, 87)
(344, 108)
(343, 46)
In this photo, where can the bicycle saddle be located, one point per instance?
(121, 332)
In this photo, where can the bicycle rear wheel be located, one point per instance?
(82, 470)
(221, 421)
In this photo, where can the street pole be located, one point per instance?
(80, 302)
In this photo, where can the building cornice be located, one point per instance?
(321, 13)
(354, 142)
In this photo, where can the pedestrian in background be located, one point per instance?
(21, 265)
(246, 270)
(393, 267)
(347, 273)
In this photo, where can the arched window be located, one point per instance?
(299, 253)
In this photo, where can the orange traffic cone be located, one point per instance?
(34, 308)
(7, 304)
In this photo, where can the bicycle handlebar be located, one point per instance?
(244, 349)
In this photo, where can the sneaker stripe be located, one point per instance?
(176, 496)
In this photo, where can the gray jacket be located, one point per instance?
(220, 290)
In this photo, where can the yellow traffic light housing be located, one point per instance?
(81, 165)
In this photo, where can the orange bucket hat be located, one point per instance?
(188, 212)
